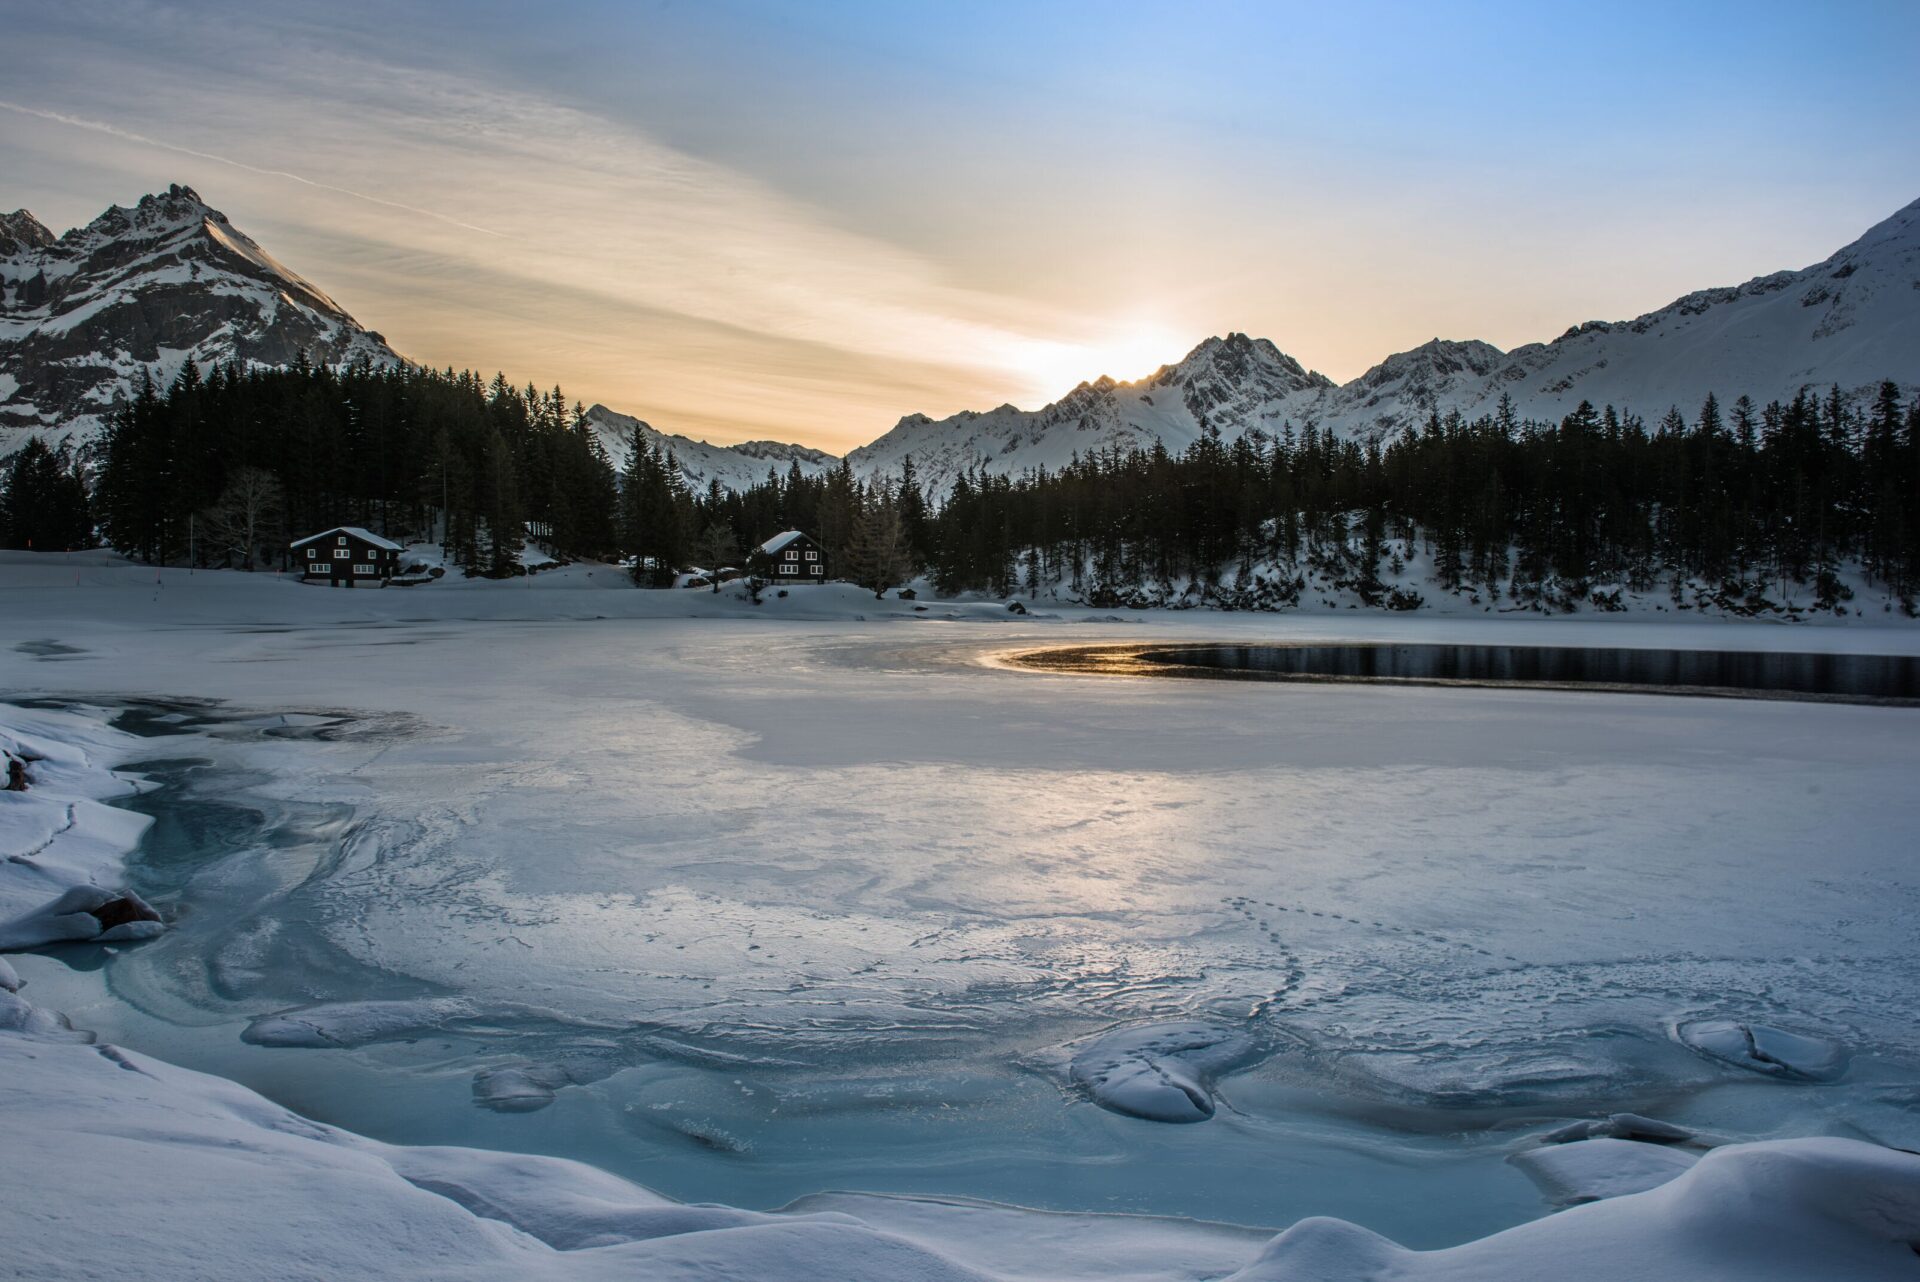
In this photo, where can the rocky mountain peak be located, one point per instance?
(1238, 360)
(139, 291)
(21, 231)
(1435, 361)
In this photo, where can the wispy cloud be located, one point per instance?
(589, 215)
(521, 219)
(114, 131)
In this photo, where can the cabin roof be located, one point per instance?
(365, 535)
(774, 545)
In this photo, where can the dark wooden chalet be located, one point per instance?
(790, 558)
(346, 556)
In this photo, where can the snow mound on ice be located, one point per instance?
(1765, 1049)
(357, 1023)
(1161, 1072)
(18, 1015)
(1626, 1126)
(1765, 1212)
(519, 1088)
(82, 913)
(1588, 1170)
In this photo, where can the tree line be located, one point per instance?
(1742, 498)
(1545, 515)
(222, 469)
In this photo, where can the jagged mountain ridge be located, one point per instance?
(736, 467)
(1851, 319)
(143, 289)
(146, 287)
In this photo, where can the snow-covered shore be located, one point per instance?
(122, 1166)
(61, 844)
(800, 816)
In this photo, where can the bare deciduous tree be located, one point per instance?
(717, 546)
(246, 515)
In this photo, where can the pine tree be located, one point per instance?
(43, 504)
(876, 556)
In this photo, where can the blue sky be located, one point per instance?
(803, 220)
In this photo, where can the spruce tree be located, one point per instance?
(43, 504)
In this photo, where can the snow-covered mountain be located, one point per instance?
(143, 289)
(736, 467)
(1234, 383)
(1851, 320)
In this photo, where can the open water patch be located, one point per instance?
(1845, 678)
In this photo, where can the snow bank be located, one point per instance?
(208, 1180)
(61, 849)
(1783, 1209)
(1588, 1170)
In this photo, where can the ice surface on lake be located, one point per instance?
(747, 907)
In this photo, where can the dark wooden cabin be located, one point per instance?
(346, 556)
(793, 557)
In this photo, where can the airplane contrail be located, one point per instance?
(102, 127)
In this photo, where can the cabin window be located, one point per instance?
(363, 569)
(793, 556)
(813, 569)
(324, 567)
(813, 556)
(341, 541)
(788, 569)
(312, 552)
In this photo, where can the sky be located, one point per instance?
(800, 221)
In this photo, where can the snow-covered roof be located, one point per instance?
(773, 545)
(354, 530)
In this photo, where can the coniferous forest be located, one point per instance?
(1749, 501)
(224, 468)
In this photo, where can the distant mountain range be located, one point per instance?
(736, 467)
(145, 288)
(1851, 320)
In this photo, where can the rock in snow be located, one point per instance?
(1161, 1072)
(1766, 1049)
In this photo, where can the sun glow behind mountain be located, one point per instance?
(757, 221)
(1127, 352)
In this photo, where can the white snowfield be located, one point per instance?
(725, 907)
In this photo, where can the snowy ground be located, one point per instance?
(753, 905)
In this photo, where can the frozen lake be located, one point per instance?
(745, 908)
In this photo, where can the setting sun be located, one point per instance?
(1124, 354)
